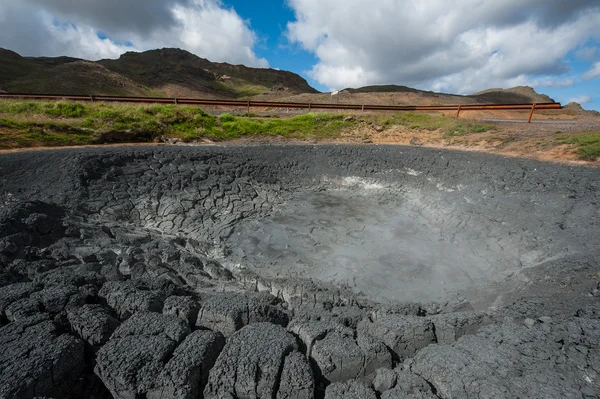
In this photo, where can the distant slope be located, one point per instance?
(173, 72)
(78, 77)
(382, 89)
(13, 66)
(514, 95)
(165, 72)
(179, 68)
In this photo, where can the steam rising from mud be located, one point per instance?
(372, 237)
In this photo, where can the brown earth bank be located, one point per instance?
(543, 139)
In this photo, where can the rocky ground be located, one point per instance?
(120, 276)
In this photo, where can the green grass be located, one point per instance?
(588, 146)
(60, 109)
(29, 123)
(239, 88)
(448, 125)
(308, 126)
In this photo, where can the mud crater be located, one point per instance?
(296, 271)
(372, 238)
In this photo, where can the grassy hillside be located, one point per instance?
(81, 77)
(172, 72)
(28, 123)
(382, 89)
(514, 95)
(162, 73)
(156, 68)
(13, 66)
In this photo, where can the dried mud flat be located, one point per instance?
(297, 271)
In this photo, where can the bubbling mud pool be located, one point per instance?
(371, 241)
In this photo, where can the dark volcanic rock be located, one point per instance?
(299, 292)
(77, 276)
(57, 298)
(130, 366)
(251, 363)
(149, 323)
(338, 357)
(128, 297)
(385, 379)
(400, 383)
(186, 373)
(297, 380)
(36, 359)
(23, 308)
(404, 335)
(132, 360)
(14, 292)
(29, 225)
(350, 390)
(228, 312)
(493, 362)
(451, 326)
(93, 323)
(184, 307)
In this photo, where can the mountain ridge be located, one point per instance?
(164, 72)
(172, 72)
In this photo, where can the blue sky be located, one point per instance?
(551, 45)
(269, 22)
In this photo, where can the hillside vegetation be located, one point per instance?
(514, 95)
(162, 73)
(29, 123)
(172, 72)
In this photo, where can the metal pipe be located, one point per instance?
(531, 113)
(269, 104)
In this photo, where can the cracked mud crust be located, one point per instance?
(297, 272)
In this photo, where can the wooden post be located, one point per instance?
(309, 105)
(248, 113)
(458, 112)
(176, 101)
(531, 113)
(92, 98)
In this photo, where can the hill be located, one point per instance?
(164, 72)
(13, 66)
(81, 77)
(514, 95)
(382, 89)
(170, 72)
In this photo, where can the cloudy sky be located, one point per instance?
(462, 46)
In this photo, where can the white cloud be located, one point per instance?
(552, 82)
(216, 33)
(79, 42)
(581, 99)
(465, 47)
(204, 27)
(593, 73)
